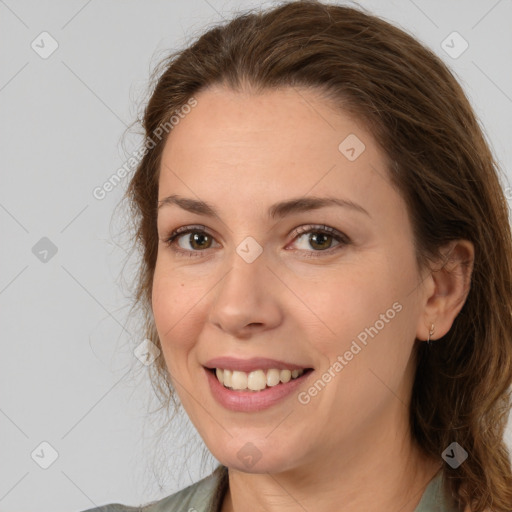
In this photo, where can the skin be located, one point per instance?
(350, 447)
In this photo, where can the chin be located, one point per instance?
(250, 458)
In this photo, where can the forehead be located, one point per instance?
(289, 140)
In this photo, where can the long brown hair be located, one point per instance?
(442, 165)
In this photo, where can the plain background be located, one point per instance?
(69, 376)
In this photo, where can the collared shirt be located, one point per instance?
(206, 496)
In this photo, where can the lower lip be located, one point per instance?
(250, 401)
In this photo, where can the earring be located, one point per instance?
(430, 333)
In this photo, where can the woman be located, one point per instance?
(326, 269)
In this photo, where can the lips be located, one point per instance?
(253, 384)
(247, 400)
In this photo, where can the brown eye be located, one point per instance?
(320, 239)
(190, 241)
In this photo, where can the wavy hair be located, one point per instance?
(439, 160)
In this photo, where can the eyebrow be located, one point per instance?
(277, 210)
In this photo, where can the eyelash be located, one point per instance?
(337, 235)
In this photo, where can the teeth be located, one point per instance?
(255, 380)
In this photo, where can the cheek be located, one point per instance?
(176, 309)
(346, 299)
(371, 305)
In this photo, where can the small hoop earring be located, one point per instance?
(430, 333)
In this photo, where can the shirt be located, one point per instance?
(207, 494)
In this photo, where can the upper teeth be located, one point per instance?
(255, 380)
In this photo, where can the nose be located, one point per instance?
(247, 299)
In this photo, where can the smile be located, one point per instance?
(254, 384)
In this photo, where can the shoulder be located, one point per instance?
(197, 497)
(114, 507)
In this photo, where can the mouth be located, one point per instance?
(257, 380)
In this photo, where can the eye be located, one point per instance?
(320, 239)
(197, 240)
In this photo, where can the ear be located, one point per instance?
(446, 289)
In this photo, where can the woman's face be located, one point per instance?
(300, 256)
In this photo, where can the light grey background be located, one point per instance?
(68, 373)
